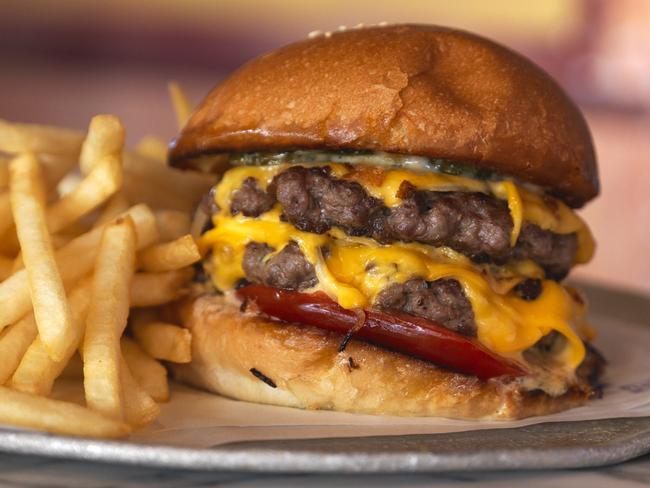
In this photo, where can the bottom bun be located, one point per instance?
(250, 357)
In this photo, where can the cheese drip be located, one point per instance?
(228, 241)
(507, 190)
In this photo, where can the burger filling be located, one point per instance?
(475, 224)
(480, 257)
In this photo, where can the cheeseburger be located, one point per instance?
(393, 220)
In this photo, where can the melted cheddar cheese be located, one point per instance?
(507, 190)
(230, 235)
(356, 269)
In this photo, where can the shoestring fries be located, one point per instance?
(89, 233)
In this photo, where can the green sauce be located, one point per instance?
(421, 163)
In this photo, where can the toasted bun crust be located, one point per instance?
(409, 89)
(309, 372)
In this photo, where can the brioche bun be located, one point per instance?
(308, 372)
(408, 89)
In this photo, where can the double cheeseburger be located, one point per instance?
(390, 230)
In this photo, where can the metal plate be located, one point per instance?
(554, 445)
(541, 446)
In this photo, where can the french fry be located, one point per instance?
(14, 341)
(139, 408)
(37, 371)
(6, 265)
(172, 224)
(101, 182)
(163, 341)
(51, 308)
(4, 173)
(6, 218)
(149, 373)
(105, 138)
(35, 412)
(151, 289)
(182, 105)
(163, 187)
(75, 260)
(19, 138)
(168, 256)
(118, 204)
(152, 148)
(107, 318)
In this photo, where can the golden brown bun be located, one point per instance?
(310, 373)
(410, 89)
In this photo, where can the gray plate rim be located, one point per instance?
(541, 446)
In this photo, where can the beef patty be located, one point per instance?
(442, 301)
(475, 224)
(286, 269)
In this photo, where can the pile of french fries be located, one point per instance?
(93, 240)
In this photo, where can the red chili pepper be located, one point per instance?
(408, 334)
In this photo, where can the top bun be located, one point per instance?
(409, 89)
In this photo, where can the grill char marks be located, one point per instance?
(475, 224)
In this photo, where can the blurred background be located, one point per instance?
(62, 62)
